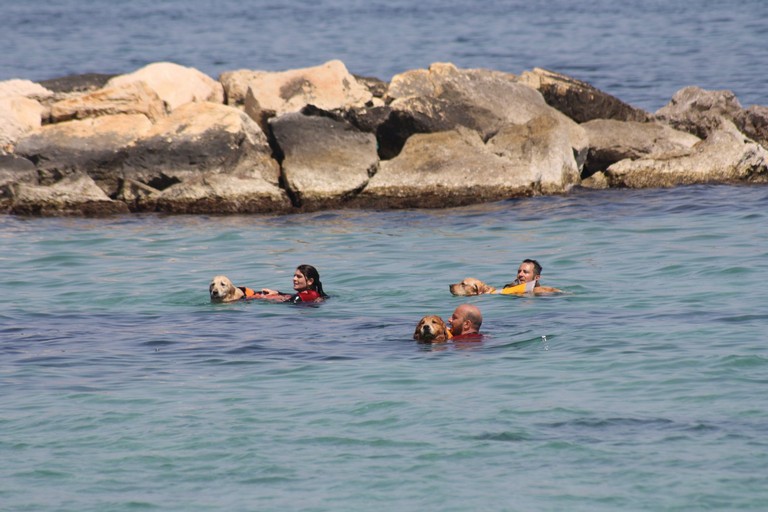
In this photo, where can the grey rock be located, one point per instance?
(611, 141)
(753, 122)
(212, 193)
(726, 156)
(698, 111)
(579, 100)
(195, 138)
(455, 168)
(324, 161)
(76, 194)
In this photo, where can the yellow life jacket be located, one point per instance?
(519, 289)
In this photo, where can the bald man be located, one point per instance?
(465, 323)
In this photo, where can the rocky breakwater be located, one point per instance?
(167, 138)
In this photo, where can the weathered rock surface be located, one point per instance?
(84, 146)
(753, 123)
(611, 141)
(267, 94)
(195, 138)
(455, 168)
(25, 88)
(20, 115)
(76, 194)
(434, 170)
(579, 100)
(130, 98)
(14, 170)
(700, 112)
(219, 193)
(540, 152)
(77, 83)
(445, 97)
(726, 156)
(325, 161)
(174, 84)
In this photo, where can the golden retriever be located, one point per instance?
(221, 289)
(431, 329)
(471, 286)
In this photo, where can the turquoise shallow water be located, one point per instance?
(642, 388)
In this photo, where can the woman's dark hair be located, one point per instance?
(311, 272)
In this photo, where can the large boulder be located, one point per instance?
(25, 88)
(611, 141)
(579, 100)
(176, 85)
(456, 168)
(325, 160)
(442, 169)
(753, 122)
(219, 193)
(14, 170)
(445, 97)
(76, 194)
(84, 146)
(195, 138)
(19, 115)
(700, 112)
(540, 152)
(724, 157)
(266, 94)
(486, 98)
(130, 98)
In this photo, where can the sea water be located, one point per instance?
(642, 387)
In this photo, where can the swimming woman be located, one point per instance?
(306, 285)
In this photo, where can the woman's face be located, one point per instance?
(300, 282)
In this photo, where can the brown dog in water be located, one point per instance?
(471, 286)
(221, 289)
(431, 329)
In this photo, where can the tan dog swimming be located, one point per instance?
(431, 329)
(471, 286)
(221, 289)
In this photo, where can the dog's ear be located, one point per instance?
(443, 335)
(418, 329)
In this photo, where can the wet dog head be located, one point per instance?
(221, 289)
(431, 329)
(471, 286)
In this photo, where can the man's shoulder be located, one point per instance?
(475, 336)
(546, 289)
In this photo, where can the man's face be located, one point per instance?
(457, 321)
(525, 273)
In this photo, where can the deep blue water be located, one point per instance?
(641, 388)
(640, 51)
